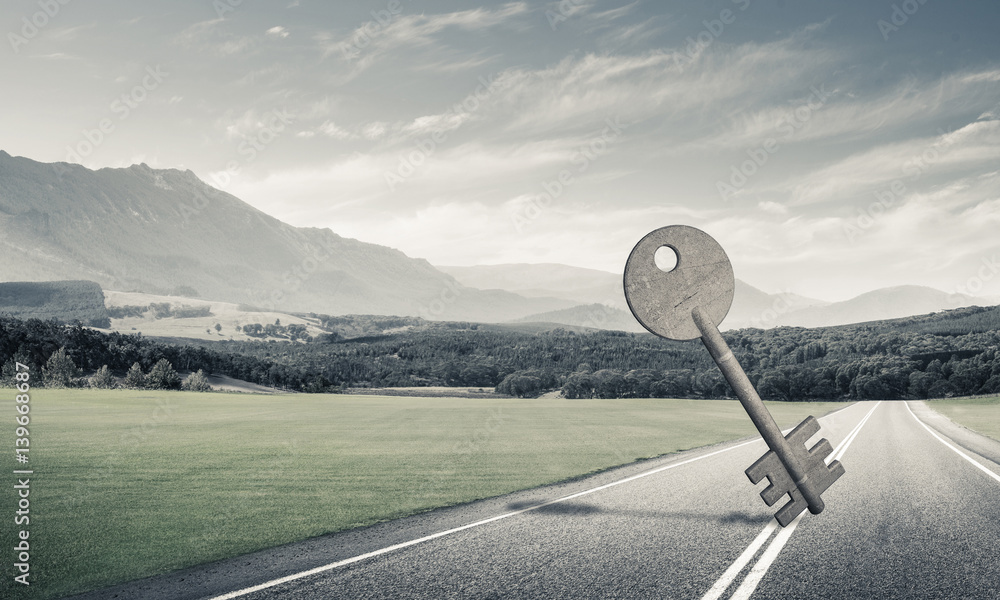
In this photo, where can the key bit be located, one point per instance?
(685, 303)
(814, 460)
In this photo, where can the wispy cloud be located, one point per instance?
(914, 162)
(371, 41)
(211, 36)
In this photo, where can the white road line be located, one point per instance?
(758, 571)
(734, 569)
(957, 451)
(361, 557)
(749, 584)
(850, 439)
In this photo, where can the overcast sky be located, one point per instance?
(831, 147)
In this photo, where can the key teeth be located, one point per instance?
(821, 475)
(769, 466)
(821, 449)
(836, 470)
(757, 470)
(791, 510)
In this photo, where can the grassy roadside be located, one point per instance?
(133, 483)
(978, 414)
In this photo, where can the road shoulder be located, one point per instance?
(962, 436)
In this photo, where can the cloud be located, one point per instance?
(914, 162)
(277, 32)
(667, 85)
(773, 207)
(248, 123)
(330, 129)
(375, 130)
(844, 113)
(372, 40)
(209, 36)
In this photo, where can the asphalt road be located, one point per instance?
(911, 518)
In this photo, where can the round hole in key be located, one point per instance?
(665, 258)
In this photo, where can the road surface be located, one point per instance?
(917, 515)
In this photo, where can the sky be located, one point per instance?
(831, 147)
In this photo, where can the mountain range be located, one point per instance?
(166, 232)
(606, 307)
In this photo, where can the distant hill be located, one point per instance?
(64, 301)
(886, 303)
(755, 308)
(751, 306)
(139, 229)
(586, 286)
(593, 316)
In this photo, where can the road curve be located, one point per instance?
(912, 518)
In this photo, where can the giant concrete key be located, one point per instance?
(685, 303)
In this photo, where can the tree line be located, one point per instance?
(953, 353)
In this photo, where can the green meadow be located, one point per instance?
(979, 414)
(128, 484)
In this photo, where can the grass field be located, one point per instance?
(978, 414)
(133, 483)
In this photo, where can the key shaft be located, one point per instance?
(754, 406)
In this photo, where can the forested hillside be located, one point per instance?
(65, 300)
(953, 353)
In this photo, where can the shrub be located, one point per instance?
(102, 379)
(197, 382)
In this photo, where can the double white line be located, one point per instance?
(757, 572)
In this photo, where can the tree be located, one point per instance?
(102, 379)
(163, 376)
(197, 382)
(10, 370)
(59, 370)
(520, 384)
(578, 385)
(135, 379)
(218, 327)
(609, 383)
